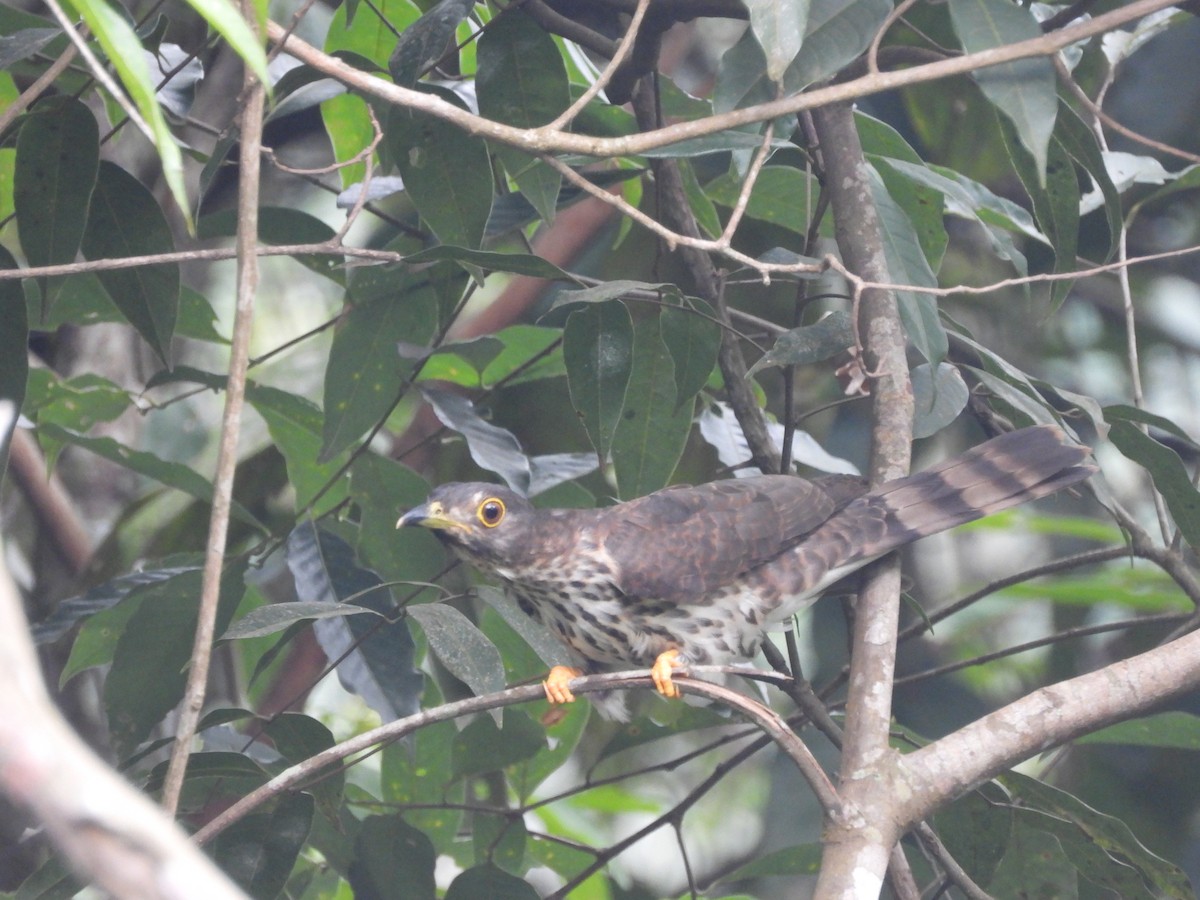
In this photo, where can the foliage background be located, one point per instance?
(576, 333)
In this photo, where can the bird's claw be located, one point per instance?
(662, 670)
(557, 684)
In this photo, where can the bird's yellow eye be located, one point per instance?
(490, 512)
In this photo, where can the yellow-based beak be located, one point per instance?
(430, 515)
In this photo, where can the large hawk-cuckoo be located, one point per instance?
(699, 574)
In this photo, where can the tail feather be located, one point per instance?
(998, 474)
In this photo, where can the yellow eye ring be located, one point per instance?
(490, 512)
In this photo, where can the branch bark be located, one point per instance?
(860, 838)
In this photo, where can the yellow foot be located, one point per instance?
(557, 684)
(668, 661)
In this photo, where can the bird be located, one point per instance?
(694, 575)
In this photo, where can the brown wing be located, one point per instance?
(687, 541)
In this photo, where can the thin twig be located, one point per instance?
(247, 286)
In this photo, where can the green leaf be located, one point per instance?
(125, 220)
(521, 81)
(1054, 193)
(1034, 865)
(780, 195)
(149, 664)
(14, 357)
(499, 840)
(908, 264)
(1081, 144)
(282, 225)
(425, 41)
(924, 208)
(693, 337)
(804, 859)
(259, 851)
(388, 853)
(938, 398)
(598, 351)
(490, 882)
(488, 261)
(419, 773)
(448, 175)
(463, 649)
(1126, 413)
(298, 737)
(58, 151)
(779, 27)
(976, 829)
(809, 343)
(128, 57)
(365, 375)
(1172, 730)
(482, 747)
(654, 428)
(539, 638)
(174, 475)
(295, 427)
(275, 617)
(1024, 90)
(1096, 840)
(1170, 475)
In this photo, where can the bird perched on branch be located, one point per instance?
(697, 575)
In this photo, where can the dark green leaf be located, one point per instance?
(487, 882)
(24, 44)
(1125, 413)
(482, 747)
(379, 657)
(58, 151)
(1034, 866)
(448, 175)
(104, 596)
(259, 851)
(1171, 730)
(276, 617)
(516, 263)
(295, 427)
(499, 840)
(598, 351)
(125, 220)
(392, 859)
(938, 399)
(1096, 831)
(149, 663)
(1024, 90)
(654, 428)
(804, 859)
(809, 344)
(298, 737)
(419, 772)
(1080, 143)
(365, 375)
(613, 290)
(1171, 477)
(1054, 193)
(175, 475)
(925, 209)
(282, 225)
(908, 264)
(382, 488)
(424, 42)
(463, 649)
(693, 337)
(521, 81)
(976, 830)
(781, 195)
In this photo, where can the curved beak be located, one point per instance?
(429, 515)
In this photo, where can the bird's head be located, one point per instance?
(485, 523)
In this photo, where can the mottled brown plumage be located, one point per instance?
(699, 574)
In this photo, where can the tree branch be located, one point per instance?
(860, 840)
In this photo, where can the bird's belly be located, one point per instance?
(613, 629)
